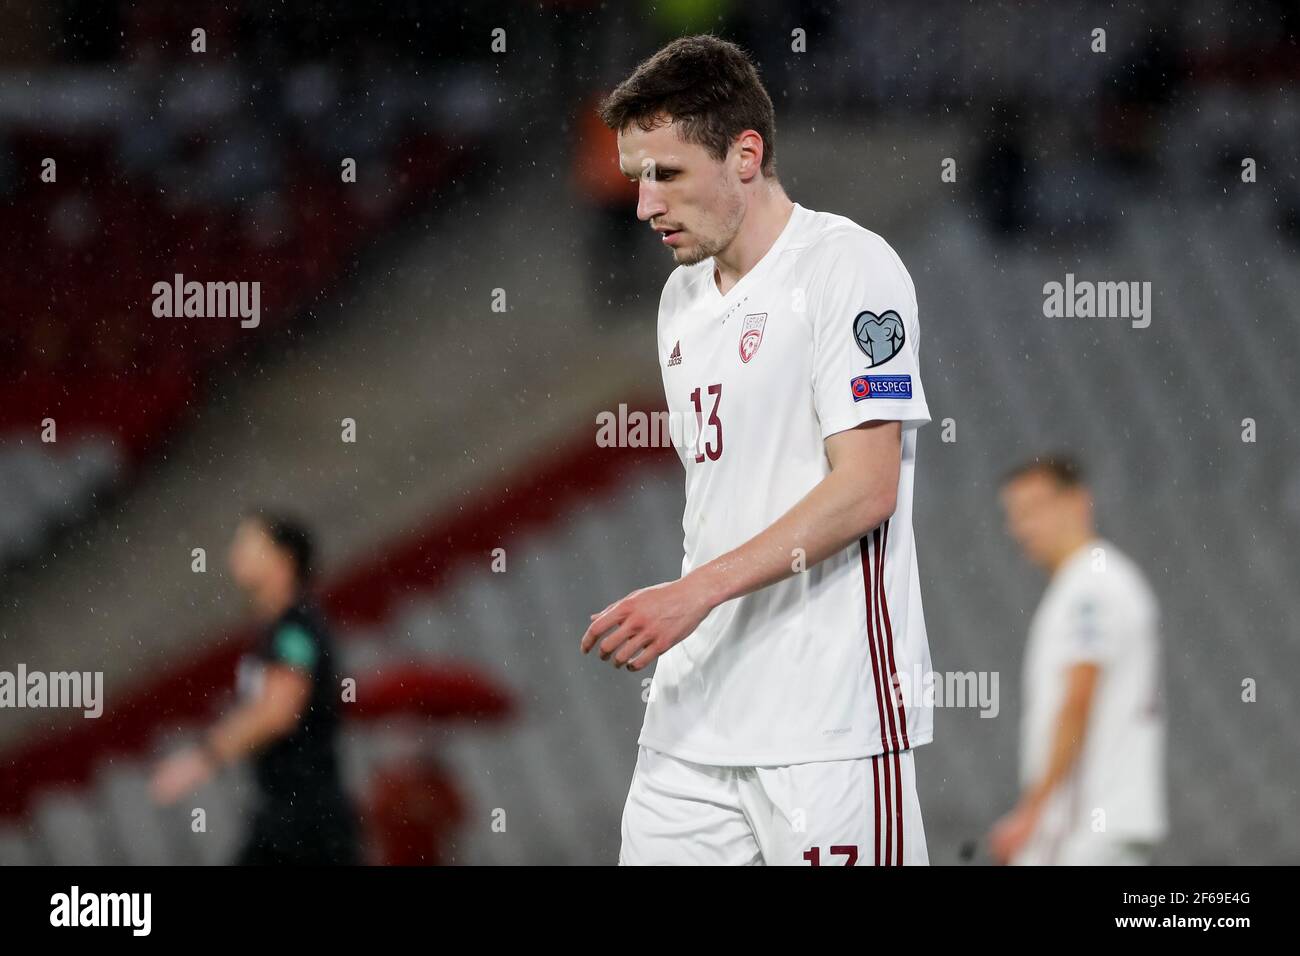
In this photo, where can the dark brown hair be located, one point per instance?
(1063, 469)
(708, 86)
(291, 537)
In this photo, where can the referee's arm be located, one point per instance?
(272, 714)
(269, 716)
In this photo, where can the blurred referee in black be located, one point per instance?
(287, 716)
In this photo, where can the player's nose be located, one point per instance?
(649, 203)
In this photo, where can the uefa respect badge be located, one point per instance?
(881, 386)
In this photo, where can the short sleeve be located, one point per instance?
(865, 337)
(294, 646)
(1092, 627)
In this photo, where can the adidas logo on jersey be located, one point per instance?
(676, 357)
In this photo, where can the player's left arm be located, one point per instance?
(858, 495)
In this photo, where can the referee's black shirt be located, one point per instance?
(302, 766)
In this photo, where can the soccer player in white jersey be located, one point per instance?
(1092, 730)
(781, 722)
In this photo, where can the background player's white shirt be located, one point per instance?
(1099, 608)
(800, 348)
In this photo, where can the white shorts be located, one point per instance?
(1084, 848)
(1063, 837)
(861, 812)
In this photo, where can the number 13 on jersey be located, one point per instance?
(712, 447)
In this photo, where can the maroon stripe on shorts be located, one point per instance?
(875, 776)
(898, 802)
(889, 814)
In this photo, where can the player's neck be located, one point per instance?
(762, 226)
(1072, 546)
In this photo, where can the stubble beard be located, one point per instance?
(708, 246)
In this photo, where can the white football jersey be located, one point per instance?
(818, 337)
(1099, 608)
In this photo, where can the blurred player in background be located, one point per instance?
(1092, 731)
(287, 717)
(774, 731)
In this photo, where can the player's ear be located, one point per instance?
(749, 150)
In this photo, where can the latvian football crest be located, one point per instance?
(751, 336)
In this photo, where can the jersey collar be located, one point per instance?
(761, 266)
